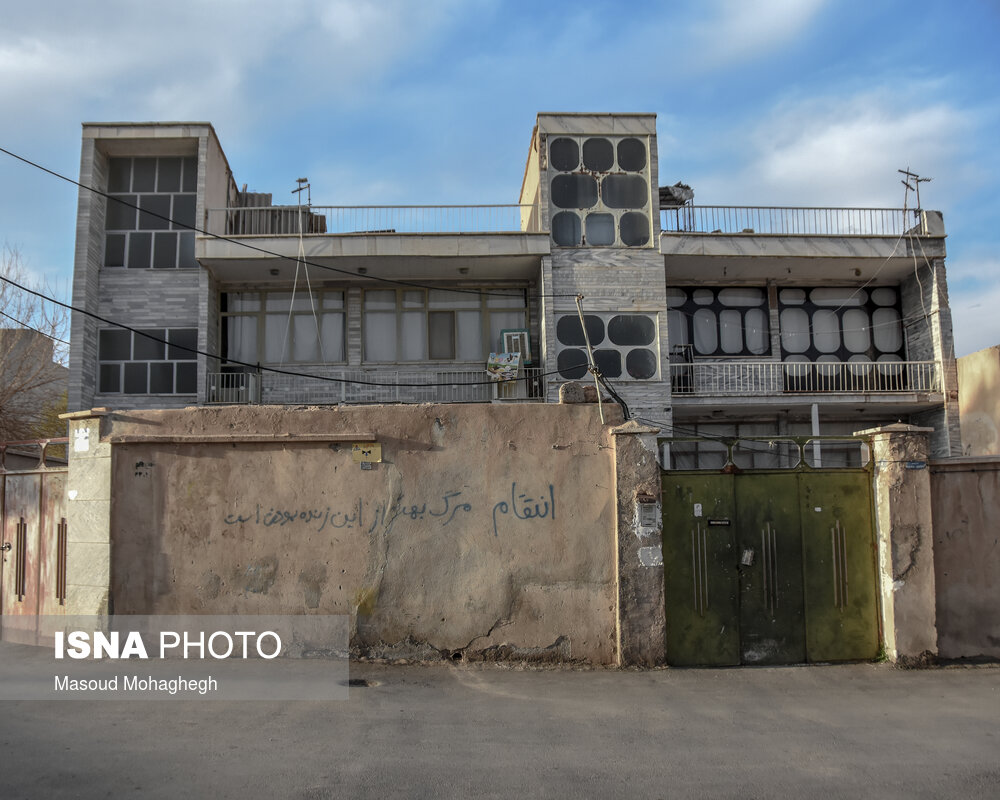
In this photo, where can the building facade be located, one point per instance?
(707, 321)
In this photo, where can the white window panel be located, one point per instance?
(414, 336)
(380, 335)
(470, 336)
(332, 330)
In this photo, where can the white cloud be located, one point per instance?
(974, 317)
(736, 30)
(841, 151)
(205, 60)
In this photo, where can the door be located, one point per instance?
(33, 563)
(772, 627)
(839, 566)
(769, 567)
(699, 557)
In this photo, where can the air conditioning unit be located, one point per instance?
(515, 340)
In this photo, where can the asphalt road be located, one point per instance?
(446, 730)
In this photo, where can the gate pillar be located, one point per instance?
(641, 614)
(88, 514)
(905, 541)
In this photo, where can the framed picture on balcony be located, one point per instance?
(516, 340)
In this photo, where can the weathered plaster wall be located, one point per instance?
(641, 610)
(487, 530)
(966, 499)
(905, 541)
(979, 402)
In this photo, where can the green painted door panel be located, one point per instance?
(701, 582)
(838, 566)
(768, 536)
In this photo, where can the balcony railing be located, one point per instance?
(771, 378)
(789, 221)
(287, 220)
(377, 386)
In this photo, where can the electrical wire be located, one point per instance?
(26, 326)
(241, 243)
(261, 367)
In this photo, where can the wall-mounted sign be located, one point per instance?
(916, 464)
(503, 366)
(367, 452)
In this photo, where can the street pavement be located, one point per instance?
(467, 731)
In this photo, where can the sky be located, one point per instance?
(385, 102)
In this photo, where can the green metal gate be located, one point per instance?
(769, 566)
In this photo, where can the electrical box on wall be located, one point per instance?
(647, 515)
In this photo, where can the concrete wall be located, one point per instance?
(485, 530)
(929, 337)
(966, 499)
(979, 402)
(904, 534)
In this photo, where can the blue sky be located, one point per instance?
(770, 102)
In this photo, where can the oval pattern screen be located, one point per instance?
(624, 345)
(600, 192)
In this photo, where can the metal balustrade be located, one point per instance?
(372, 220)
(792, 221)
(770, 378)
(232, 388)
(373, 386)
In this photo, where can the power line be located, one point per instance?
(30, 328)
(261, 367)
(263, 250)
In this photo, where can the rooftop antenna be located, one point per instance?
(303, 184)
(917, 180)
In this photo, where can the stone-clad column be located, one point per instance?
(88, 516)
(905, 541)
(641, 617)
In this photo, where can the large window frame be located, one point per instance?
(599, 191)
(719, 321)
(433, 325)
(151, 212)
(258, 318)
(842, 324)
(129, 363)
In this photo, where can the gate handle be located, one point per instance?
(5, 547)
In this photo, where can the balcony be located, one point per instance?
(363, 387)
(781, 379)
(797, 221)
(815, 245)
(487, 242)
(372, 220)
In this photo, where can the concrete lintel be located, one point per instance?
(92, 413)
(633, 428)
(896, 427)
(210, 438)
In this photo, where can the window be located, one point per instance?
(438, 324)
(161, 363)
(840, 324)
(624, 345)
(719, 322)
(150, 213)
(275, 328)
(602, 198)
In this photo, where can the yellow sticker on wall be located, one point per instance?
(369, 451)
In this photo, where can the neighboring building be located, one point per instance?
(32, 382)
(979, 402)
(709, 321)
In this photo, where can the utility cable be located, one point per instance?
(26, 326)
(261, 367)
(255, 248)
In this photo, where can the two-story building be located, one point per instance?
(708, 321)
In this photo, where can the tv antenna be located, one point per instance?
(917, 180)
(305, 186)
